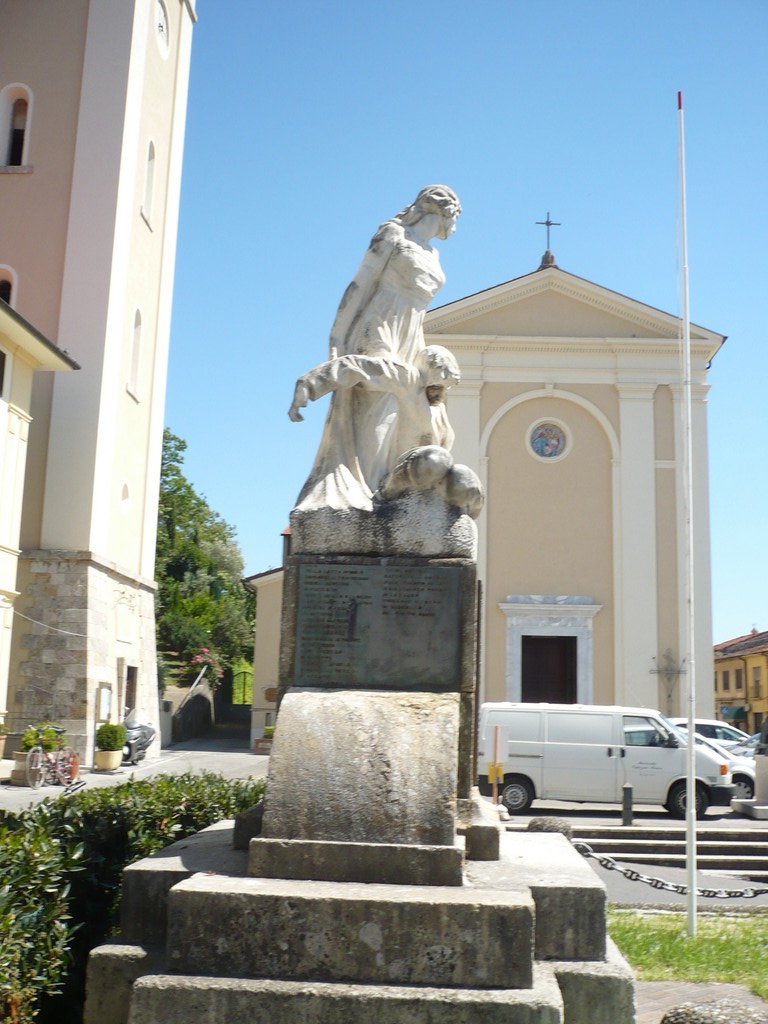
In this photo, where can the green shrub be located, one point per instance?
(43, 733)
(110, 736)
(34, 918)
(99, 832)
(269, 732)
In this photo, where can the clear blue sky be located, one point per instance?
(310, 123)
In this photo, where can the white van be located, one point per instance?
(586, 753)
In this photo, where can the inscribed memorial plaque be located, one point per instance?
(379, 627)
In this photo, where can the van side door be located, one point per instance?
(581, 757)
(649, 764)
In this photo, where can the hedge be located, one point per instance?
(61, 866)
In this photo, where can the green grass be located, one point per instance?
(729, 946)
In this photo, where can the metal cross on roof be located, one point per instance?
(549, 224)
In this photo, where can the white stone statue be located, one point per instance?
(418, 387)
(382, 404)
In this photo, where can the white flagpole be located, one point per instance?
(690, 815)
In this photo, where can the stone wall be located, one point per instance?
(82, 623)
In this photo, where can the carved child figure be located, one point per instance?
(419, 417)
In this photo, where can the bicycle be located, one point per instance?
(55, 767)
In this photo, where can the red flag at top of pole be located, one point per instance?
(679, 101)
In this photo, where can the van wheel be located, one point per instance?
(516, 794)
(743, 787)
(676, 801)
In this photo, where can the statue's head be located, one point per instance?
(439, 366)
(437, 199)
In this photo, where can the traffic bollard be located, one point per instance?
(626, 804)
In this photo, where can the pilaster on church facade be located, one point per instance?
(636, 577)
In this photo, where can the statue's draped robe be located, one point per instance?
(360, 441)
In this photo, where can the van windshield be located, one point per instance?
(680, 734)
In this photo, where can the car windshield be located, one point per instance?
(724, 753)
(748, 746)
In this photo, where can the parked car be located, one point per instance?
(727, 735)
(587, 753)
(742, 768)
(748, 749)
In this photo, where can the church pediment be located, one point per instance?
(554, 304)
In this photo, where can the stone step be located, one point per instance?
(350, 932)
(742, 852)
(570, 940)
(593, 992)
(745, 867)
(673, 833)
(753, 851)
(729, 836)
(157, 999)
(569, 896)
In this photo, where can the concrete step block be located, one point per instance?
(386, 863)
(479, 823)
(569, 896)
(597, 992)
(166, 999)
(329, 931)
(112, 970)
(754, 808)
(147, 882)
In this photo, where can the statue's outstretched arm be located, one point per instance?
(342, 372)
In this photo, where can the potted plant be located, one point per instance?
(3, 734)
(44, 733)
(110, 740)
(263, 744)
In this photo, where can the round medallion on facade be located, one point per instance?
(548, 440)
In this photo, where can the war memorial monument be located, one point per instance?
(380, 887)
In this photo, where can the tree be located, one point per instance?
(201, 603)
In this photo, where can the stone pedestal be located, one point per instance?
(522, 941)
(371, 625)
(381, 886)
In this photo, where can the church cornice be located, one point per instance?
(496, 343)
(648, 319)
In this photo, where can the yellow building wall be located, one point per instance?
(266, 651)
(755, 697)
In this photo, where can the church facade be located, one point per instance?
(570, 411)
(92, 112)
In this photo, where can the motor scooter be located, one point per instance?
(139, 736)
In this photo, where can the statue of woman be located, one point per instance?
(381, 315)
(382, 310)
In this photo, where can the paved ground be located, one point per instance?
(232, 759)
(654, 998)
(227, 757)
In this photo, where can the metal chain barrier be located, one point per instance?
(659, 883)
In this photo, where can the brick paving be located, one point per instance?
(654, 998)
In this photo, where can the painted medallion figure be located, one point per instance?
(387, 414)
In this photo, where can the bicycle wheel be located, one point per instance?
(35, 767)
(66, 766)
